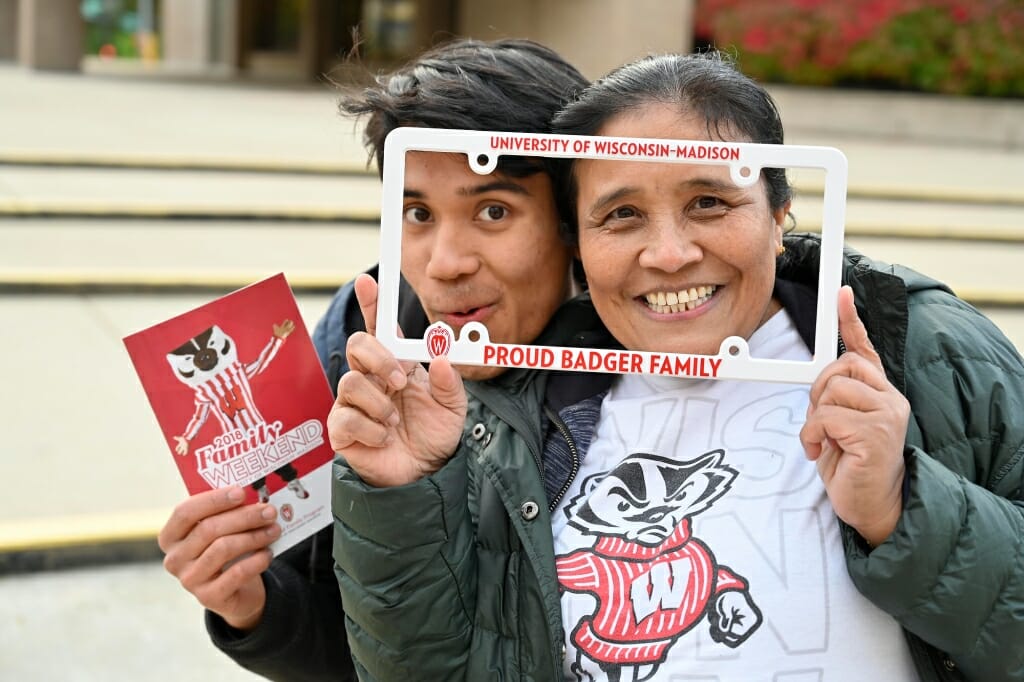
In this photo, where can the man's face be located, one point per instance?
(482, 248)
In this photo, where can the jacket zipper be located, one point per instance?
(564, 430)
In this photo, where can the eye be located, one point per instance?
(707, 202)
(492, 213)
(623, 506)
(417, 214)
(623, 213)
(211, 343)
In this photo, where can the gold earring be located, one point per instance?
(781, 250)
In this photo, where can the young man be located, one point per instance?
(483, 248)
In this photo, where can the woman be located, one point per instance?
(691, 536)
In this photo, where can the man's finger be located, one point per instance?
(232, 522)
(347, 426)
(366, 294)
(852, 330)
(224, 552)
(196, 508)
(446, 385)
(368, 356)
(364, 394)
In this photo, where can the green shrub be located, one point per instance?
(971, 47)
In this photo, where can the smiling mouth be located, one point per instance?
(665, 302)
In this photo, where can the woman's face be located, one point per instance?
(677, 257)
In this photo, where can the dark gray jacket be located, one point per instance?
(453, 577)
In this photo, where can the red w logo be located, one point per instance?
(662, 588)
(232, 402)
(439, 341)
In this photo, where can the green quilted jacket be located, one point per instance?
(453, 577)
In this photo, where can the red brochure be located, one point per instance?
(241, 399)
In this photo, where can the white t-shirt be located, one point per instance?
(697, 541)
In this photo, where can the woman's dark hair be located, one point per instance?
(707, 84)
(504, 85)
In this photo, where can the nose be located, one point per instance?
(452, 253)
(669, 248)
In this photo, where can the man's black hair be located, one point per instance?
(504, 85)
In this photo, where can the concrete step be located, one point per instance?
(28, 191)
(983, 272)
(228, 253)
(57, 115)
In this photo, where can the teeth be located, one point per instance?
(665, 302)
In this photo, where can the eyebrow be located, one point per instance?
(698, 183)
(496, 186)
(476, 190)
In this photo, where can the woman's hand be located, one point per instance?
(394, 422)
(855, 432)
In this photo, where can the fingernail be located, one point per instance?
(273, 530)
(394, 419)
(268, 513)
(236, 495)
(396, 379)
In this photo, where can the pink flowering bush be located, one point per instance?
(973, 47)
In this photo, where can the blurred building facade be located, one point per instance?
(301, 39)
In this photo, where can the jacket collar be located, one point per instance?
(880, 290)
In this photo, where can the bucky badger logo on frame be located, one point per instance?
(653, 581)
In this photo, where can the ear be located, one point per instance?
(779, 216)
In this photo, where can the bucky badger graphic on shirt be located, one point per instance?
(653, 581)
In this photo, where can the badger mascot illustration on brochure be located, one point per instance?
(208, 363)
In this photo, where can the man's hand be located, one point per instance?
(394, 422)
(181, 445)
(217, 546)
(855, 432)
